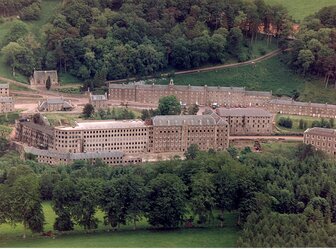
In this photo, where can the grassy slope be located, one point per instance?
(269, 75)
(48, 8)
(299, 9)
(202, 237)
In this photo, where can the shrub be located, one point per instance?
(285, 122)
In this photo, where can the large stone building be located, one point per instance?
(247, 121)
(54, 104)
(201, 95)
(229, 97)
(98, 101)
(292, 107)
(39, 78)
(132, 138)
(6, 102)
(321, 138)
(177, 133)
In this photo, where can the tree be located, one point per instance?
(166, 201)
(193, 109)
(17, 30)
(89, 194)
(26, 203)
(48, 83)
(202, 196)
(191, 152)
(169, 105)
(88, 110)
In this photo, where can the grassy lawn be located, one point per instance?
(299, 9)
(296, 119)
(8, 118)
(144, 237)
(269, 75)
(57, 119)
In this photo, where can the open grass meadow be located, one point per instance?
(299, 9)
(125, 237)
(270, 75)
(296, 119)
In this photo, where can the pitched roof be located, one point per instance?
(321, 131)
(179, 120)
(297, 103)
(55, 101)
(4, 85)
(98, 97)
(6, 99)
(73, 156)
(240, 112)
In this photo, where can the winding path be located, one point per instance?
(213, 68)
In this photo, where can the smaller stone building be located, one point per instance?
(6, 104)
(98, 101)
(55, 104)
(321, 138)
(39, 78)
(4, 89)
(247, 121)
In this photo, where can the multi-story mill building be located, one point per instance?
(201, 95)
(6, 102)
(131, 138)
(321, 138)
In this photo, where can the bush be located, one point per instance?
(262, 51)
(31, 12)
(285, 122)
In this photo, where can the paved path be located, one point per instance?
(285, 138)
(213, 68)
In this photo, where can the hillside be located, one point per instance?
(299, 9)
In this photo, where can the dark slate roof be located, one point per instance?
(239, 112)
(6, 100)
(54, 101)
(4, 85)
(321, 131)
(296, 103)
(179, 120)
(98, 97)
(73, 156)
(258, 93)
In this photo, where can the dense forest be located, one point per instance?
(118, 39)
(26, 9)
(285, 197)
(314, 49)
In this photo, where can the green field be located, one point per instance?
(126, 237)
(296, 119)
(299, 9)
(270, 75)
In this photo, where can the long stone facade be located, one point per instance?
(133, 138)
(321, 138)
(224, 96)
(228, 97)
